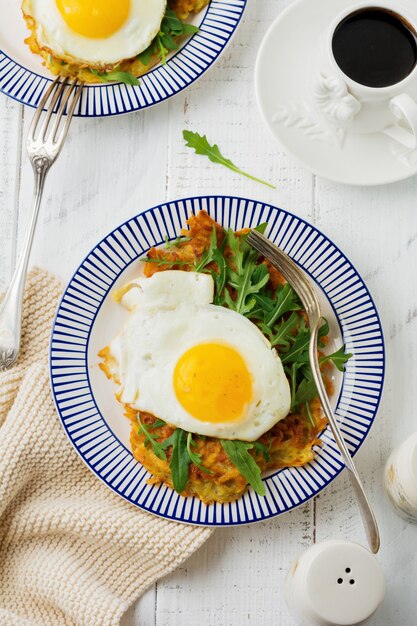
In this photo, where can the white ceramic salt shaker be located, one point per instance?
(335, 583)
(401, 479)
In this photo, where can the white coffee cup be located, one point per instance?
(358, 108)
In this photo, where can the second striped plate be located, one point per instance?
(87, 319)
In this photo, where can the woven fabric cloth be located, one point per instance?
(71, 551)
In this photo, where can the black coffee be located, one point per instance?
(375, 47)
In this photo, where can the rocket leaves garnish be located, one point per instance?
(245, 276)
(338, 359)
(182, 453)
(157, 447)
(175, 243)
(117, 77)
(195, 457)
(180, 459)
(238, 453)
(203, 147)
(242, 283)
(159, 261)
(164, 42)
(261, 448)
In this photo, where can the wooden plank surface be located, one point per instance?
(110, 170)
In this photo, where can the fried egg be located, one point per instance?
(95, 32)
(196, 365)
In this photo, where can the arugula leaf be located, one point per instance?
(169, 441)
(180, 460)
(261, 448)
(214, 254)
(219, 277)
(145, 56)
(286, 300)
(158, 423)
(246, 277)
(208, 254)
(323, 332)
(202, 146)
(171, 23)
(306, 390)
(238, 453)
(195, 457)
(189, 29)
(164, 261)
(299, 349)
(174, 243)
(338, 358)
(116, 76)
(171, 27)
(309, 415)
(283, 333)
(157, 448)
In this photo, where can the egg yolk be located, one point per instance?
(94, 18)
(212, 383)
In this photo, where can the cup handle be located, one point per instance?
(404, 109)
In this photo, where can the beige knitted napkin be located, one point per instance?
(71, 551)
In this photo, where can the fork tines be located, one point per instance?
(60, 98)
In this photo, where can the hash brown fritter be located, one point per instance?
(289, 442)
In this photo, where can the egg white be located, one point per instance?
(145, 353)
(53, 33)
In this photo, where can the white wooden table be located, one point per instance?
(111, 169)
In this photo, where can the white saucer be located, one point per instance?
(287, 58)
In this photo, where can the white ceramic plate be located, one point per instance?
(287, 58)
(24, 78)
(88, 318)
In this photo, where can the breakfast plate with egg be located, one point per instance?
(131, 54)
(179, 362)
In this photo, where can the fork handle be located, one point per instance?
(367, 514)
(11, 306)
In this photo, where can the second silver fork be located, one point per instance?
(308, 297)
(45, 141)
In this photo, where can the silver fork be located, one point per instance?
(308, 297)
(43, 148)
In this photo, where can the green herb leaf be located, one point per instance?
(180, 460)
(338, 358)
(238, 453)
(299, 349)
(284, 331)
(219, 277)
(158, 423)
(306, 390)
(145, 56)
(286, 300)
(189, 29)
(261, 448)
(171, 27)
(119, 77)
(208, 254)
(171, 23)
(246, 277)
(175, 243)
(202, 146)
(168, 42)
(164, 261)
(309, 415)
(323, 331)
(157, 448)
(195, 457)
